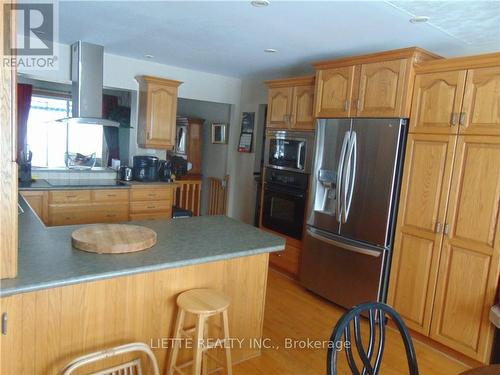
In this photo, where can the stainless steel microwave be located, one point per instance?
(289, 150)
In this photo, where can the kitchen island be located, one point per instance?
(65, 302)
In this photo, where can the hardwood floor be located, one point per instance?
(292, 312)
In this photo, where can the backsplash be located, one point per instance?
(73, 174)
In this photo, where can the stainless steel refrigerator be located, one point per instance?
(352, 208)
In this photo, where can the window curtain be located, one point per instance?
(109, 105)
(24, 93)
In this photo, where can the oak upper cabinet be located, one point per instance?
(422, 210)
(157, 112)
(470, 260)
(375, 85)
(290, 103)
(457, 96)
(302, 108)
(279, 107)
(334, 92)
(381, 87)
(481, 108)
(437, 100)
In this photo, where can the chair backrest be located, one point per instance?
(129, 368)
(368, 358)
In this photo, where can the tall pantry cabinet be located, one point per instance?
(446, 259)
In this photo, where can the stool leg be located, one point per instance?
(175, 345)
(229, 365)
(197, 349)
(204, 366)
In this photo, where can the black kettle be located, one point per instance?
(165, 172)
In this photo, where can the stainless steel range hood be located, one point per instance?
(87, 62)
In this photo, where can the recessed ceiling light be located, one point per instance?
(270, 50)
(148, 56)
(260, 3)
(419, 19)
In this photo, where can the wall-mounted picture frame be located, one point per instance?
(219, 133)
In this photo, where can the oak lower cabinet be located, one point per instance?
(470, 259)
(39, 203)
(422, 211)
(446, 260)
(157, 112)
(69, 207)
(290, 103)
(375, 85)
(151, 202)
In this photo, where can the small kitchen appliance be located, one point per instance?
(289, 150)
(125, 173)
(145, 168)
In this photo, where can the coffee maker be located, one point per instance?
(145, 168)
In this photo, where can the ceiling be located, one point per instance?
(229, 37)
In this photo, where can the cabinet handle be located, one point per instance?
(148, 135)
(462, 118)
(454, 119)
(152, 195)
(111, 215)
(358, 104)
(5, 318)
(111, 195)
(151, 206)
(346, 105)
(438, 227)
(446, 228)
(70, 196)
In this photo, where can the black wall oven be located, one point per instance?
(284, 202)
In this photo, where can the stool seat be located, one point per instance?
(203, 301)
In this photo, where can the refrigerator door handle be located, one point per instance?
(344, 246)
(340, 169)
(351, 165)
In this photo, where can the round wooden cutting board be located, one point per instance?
(113, 238)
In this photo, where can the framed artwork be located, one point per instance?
(219, 133)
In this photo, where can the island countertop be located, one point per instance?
(47, 259)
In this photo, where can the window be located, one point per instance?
(50, 140)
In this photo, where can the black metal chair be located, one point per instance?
(370, 358)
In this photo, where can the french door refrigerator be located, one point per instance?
(352, 208)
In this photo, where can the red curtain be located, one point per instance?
(24, 92)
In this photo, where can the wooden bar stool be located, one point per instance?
(203, 303)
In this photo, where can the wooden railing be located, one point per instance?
(188, 195)
(217, 201)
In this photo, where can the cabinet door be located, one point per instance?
(334, 90)
(481, 108)
(162, 108)
(279, 107)
(424, 195)
(437, 100)
(381, 87)
(38, 201)
(302, 108)
(469, 269)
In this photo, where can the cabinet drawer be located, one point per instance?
(87, 214)
(286, 260)
(151, 216)
(69, 196)
(115, 195)
(150, 207)
(151, 194)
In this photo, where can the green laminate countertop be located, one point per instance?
(47, 259)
